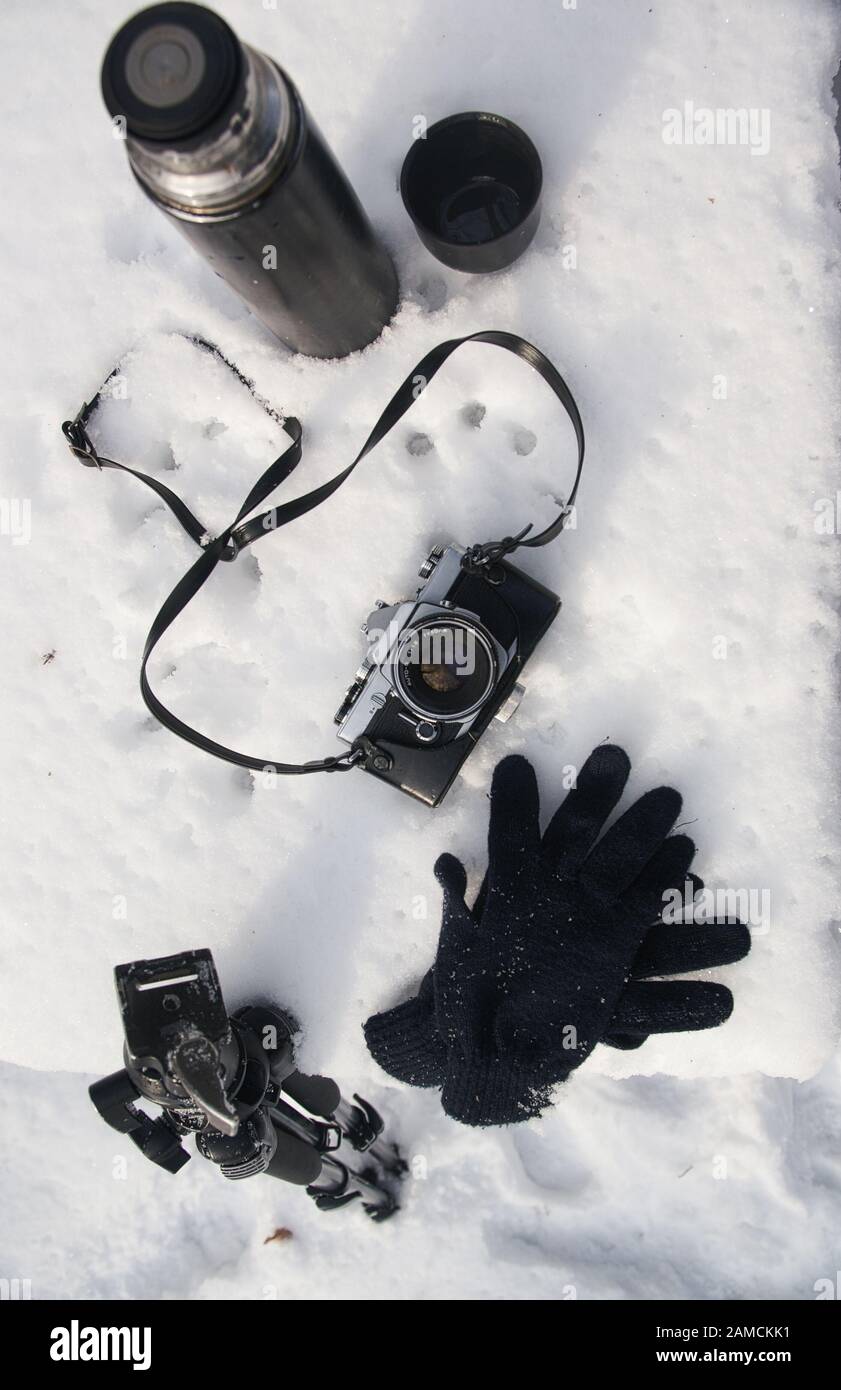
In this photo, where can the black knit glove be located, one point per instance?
(526, 985)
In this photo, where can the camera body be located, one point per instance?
(440, 666)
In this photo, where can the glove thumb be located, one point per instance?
(452, 876)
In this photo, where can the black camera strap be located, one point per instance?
(245, 529)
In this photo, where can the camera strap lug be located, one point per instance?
(370, 756)
(78, 440)
(483, 557)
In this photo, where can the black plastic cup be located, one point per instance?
(472, 188)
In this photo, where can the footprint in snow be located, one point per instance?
(525, 441)
(419, 444)
(473, 414)
(549, 1163)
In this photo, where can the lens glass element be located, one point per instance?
(445, 670)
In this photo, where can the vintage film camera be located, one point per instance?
(440, 667)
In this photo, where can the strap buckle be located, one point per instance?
(231, 550)
(228, 551)
(79, 442)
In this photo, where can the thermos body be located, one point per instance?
(220, 140)
(303, 255)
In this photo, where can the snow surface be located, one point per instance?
(715, 1171)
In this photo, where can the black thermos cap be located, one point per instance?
(171, 71)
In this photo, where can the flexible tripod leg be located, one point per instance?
(318, 1094)
(362, 1126)
(331, 1182)
(373, 1177)
(360, 1123)
(340, 1184)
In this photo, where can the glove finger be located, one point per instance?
(452, 876)
(579, 819)
(665, 873)
(676, 1006)
(461, 963)
(676, 948)
(621, 854)
(514, 829)
(458, 926)
(693, 885)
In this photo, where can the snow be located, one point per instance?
(696, 324)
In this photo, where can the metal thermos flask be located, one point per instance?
(219, 139)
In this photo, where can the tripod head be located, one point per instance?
(233, 1082)
(180, 1049)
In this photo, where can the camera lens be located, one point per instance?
(445, 670)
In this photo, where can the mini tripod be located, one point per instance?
(232, 1081)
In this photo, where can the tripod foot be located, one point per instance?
(361, 1124)
(331, 1201)
(380, 1213)
(340, 1185)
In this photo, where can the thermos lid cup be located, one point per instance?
(472, 187)
(171, 71)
